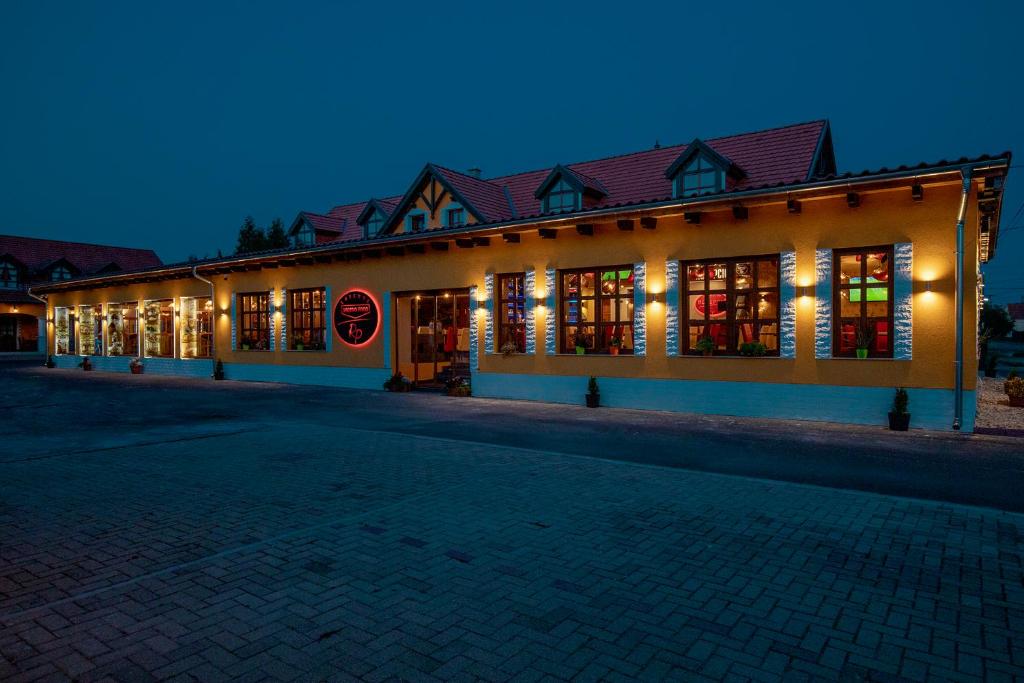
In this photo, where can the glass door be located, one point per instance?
(433, 337)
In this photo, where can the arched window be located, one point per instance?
(562, 198)
(8, 275)
(700, 175)
(59, 273)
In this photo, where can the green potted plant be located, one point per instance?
(706, 345)
(593, 393)
(508, 349)
(863, 339)
(753, 349)
(614, 346)
(135, 366)
(582, 342)
(458, 386)
(299, 346)
(899, 418)
(1015, 391)
(398, 382)
(50, 362)
(218, 370)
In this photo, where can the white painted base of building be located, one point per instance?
(929, 408)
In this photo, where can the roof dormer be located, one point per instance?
(373, 216)
(701, 170)
(565, 189)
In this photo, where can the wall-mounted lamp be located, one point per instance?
(917, 192)
(481, 304)
(922, 286)
(539, 294)
(805, 290)
(655, 297)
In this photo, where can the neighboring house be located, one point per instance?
(27, 262)
(814, 291)
(1017, 313)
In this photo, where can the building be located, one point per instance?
(738, 275)
(27, 262)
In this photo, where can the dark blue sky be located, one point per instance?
(164, 126)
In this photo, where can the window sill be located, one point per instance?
(306, 350)
(253, 351)
(728, 357)
(599, 355)
(861, 360)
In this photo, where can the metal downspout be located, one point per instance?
(46, 324)
(958, 361)
(213, 337)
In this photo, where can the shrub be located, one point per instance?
(753, 349)
(900, 401)
(1015, 388)
(592, 387)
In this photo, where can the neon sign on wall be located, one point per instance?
(356, 318)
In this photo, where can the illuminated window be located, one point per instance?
(90, 330)
(700, 175)
(253, 313)
(158, 337)
(732, 302)
(123, 329)
(562, 198)
(511, 302)
(197, 327)
(596, 310)
(307, 312)
(862, 302)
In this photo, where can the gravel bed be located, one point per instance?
(994, 410)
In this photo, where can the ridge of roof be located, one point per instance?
(73, 242)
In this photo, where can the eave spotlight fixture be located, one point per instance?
(917, 192)
(655, 297)
(740, 213)
(852, 200)
(692, 217)
(793, 205)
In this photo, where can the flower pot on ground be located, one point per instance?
(398, 382)
(593, 395)
(218, 369)
(50, 362)
(458, 386)
(86, 364)
(1015, 391)
(135, 366)
(899, 418)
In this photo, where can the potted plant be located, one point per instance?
(753, 349)
(508, 349)
(614, 345)
(593, 393)
(1015, 390)
(458, 386)
(863, 339)
(86, 364)
(245, 346)
(50, 362)
(398, 382)
(135, 366)
(706, 345)
(1006, 384)
(899, 418)
(582, 342)
(299, 346)
(218, 370)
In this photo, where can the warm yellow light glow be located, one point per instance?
(446, 295)
(806, 281)
(539, 294)
(655, 288)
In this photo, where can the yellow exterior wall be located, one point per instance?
(884, 217)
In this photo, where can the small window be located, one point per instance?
(158, 337)
(374, 223)
(8, 275)
(305, 236)
(456, 217)
(562, 198)
(698, 177)
(511, 311)
(417, 222)
(597, 310)
(62, 335)
(732, 302)
(59, 273)
(307, 311)
(123, 329)
(862, 302)
(197, 327)
(253, 315)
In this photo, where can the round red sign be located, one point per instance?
(356, 317)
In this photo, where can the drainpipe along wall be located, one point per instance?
(46, 317)
(958, 361)
(213, 337)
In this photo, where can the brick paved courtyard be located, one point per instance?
(285, 544)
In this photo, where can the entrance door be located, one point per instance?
(433, 336)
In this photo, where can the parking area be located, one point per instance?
(160, 528)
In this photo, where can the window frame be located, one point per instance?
(373, 224)
(561, 189)
(203, 338)
(863, 318)
(132, 332)
(261, 314)
(413, 217)
(461, 222)
(296, 311)
(730, 291)
(161, 333)
(62, 270)
(597, 323)
(703, 165)
(501, 302)
(11, 275)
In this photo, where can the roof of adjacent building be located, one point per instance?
(777, 156)
(1016, 310)
(38, 254)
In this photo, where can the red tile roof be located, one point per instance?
(769, 157)
(35, 254)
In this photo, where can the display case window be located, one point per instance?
(197, 327)
(123, 329)
(62, 337)
(307, 310)
(90, 330)
(596, 310)
(159, 329)
(732, 302)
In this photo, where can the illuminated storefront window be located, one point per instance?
(159, 329)
(511, 295)
(123, 329)
(254, 321)
(197, 327)
(597, 310)
(90, 330)
(732, 302)
(307, 310)
(862, 302)
(62, 331)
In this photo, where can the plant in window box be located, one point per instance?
(85, 364)
(593, 393)
(1015, 390)
(899, 418)
(582, 343)
(614, 345)
(508, 349)
(753, 349)
(863, 339)
(299, 346)
(135, 366)
(50, 362)
(706, 345)
(398, 382)
(218, 370)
